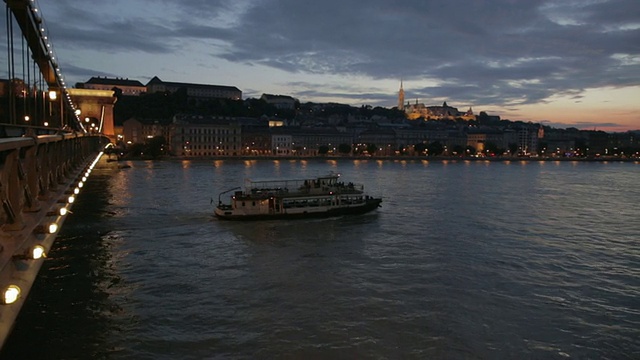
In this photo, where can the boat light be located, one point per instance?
(10, 294)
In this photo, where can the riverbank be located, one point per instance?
(393, 158)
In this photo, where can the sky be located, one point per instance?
(562, 63)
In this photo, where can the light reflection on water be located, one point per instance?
(463, 260)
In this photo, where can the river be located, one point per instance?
(464, 260)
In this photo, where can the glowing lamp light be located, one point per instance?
(63, 211)
(37, 252)
(71, 199)
(76, 191)
(53, 227)
(10, 294)
(84, 178)
(27, 118)
(80, 184)
(53, 95)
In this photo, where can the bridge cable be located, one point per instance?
(28, 110)
(10, 65)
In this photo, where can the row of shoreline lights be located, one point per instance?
(11, 293)
(36, 14)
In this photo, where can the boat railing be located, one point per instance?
(291, 187)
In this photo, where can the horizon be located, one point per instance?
(562, 65)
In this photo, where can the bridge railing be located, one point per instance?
(39, 177)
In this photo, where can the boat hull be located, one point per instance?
(371, 204)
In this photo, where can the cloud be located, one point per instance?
(476, 49)
(584, 125)
(481, 52)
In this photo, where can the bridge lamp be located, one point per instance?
(27, 118)
(11, 294)
(77, 112)
(76, 191)
(53, 95)
(52, 228)
(71, 199)
(80, 184)
(46, 228)
(37, 252)
(63, 211)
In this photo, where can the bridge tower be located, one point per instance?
(95, 110)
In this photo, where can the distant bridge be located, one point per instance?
(46, 152)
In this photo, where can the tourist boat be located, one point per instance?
(324, 196)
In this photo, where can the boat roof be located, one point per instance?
(272, 184)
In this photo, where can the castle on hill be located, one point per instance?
(420, 110)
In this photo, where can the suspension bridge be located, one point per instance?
(51, 138)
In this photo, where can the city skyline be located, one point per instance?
(574, 64)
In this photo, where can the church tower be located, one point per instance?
(401, 98)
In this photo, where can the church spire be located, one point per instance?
(401, 97)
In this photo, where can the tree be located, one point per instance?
(372, 148)
(542, 148)
(580, 146)
(513, 149)
(420, 148)
(323, 149)
(435, 148)
(458, 150)
(344, 148)
(135, 150)
(493, 148)
(155, 146)
(470, 150)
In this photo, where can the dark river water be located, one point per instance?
(464, 260)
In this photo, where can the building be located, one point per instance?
(200, 91)
(280, 101)
(444, 112)
(281, 143)
(480, 139)
(401, 97)
(306, 141)
(139, 130)
(528, 138)
(119, 85)
(203, 136)
(256, 140)
(383, 138)
(420, 110)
